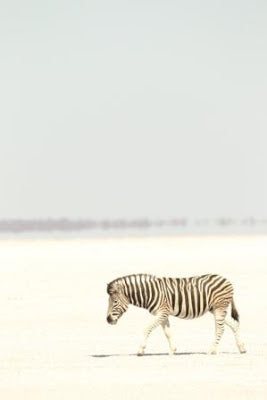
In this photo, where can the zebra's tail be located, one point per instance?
(234, 312)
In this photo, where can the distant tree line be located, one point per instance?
(65, 224)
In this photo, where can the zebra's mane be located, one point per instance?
(110, 285)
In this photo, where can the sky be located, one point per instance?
(133, 108)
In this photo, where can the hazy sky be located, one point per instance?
(133, 108)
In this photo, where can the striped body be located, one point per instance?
(181, 297)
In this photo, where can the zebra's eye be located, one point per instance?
(115, 302)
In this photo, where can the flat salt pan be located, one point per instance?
(55, 342)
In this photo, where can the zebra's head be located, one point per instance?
(118, 302)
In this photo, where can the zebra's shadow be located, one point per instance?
(147, 354)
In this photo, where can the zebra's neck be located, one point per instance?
(139, 289)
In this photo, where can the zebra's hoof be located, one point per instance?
(172, 351)
(212, 351)
(242, 349)
(141, 352)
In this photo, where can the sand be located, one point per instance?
(55, 342)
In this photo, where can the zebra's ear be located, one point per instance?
(116, 288)
(113, 288)
(108, 288)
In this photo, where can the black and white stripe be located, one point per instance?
(181, 297)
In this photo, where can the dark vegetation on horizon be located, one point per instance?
(66, 224)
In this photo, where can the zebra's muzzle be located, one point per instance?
(111, 321)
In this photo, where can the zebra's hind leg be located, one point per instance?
(158, 319)
(234, 325)
(219, 315)
(166, 329)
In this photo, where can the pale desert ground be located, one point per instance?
(55, 342)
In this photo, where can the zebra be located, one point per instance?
(185, 298)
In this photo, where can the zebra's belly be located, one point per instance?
(188, 314)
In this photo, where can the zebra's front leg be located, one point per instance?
(166, 329)
(158, 320)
